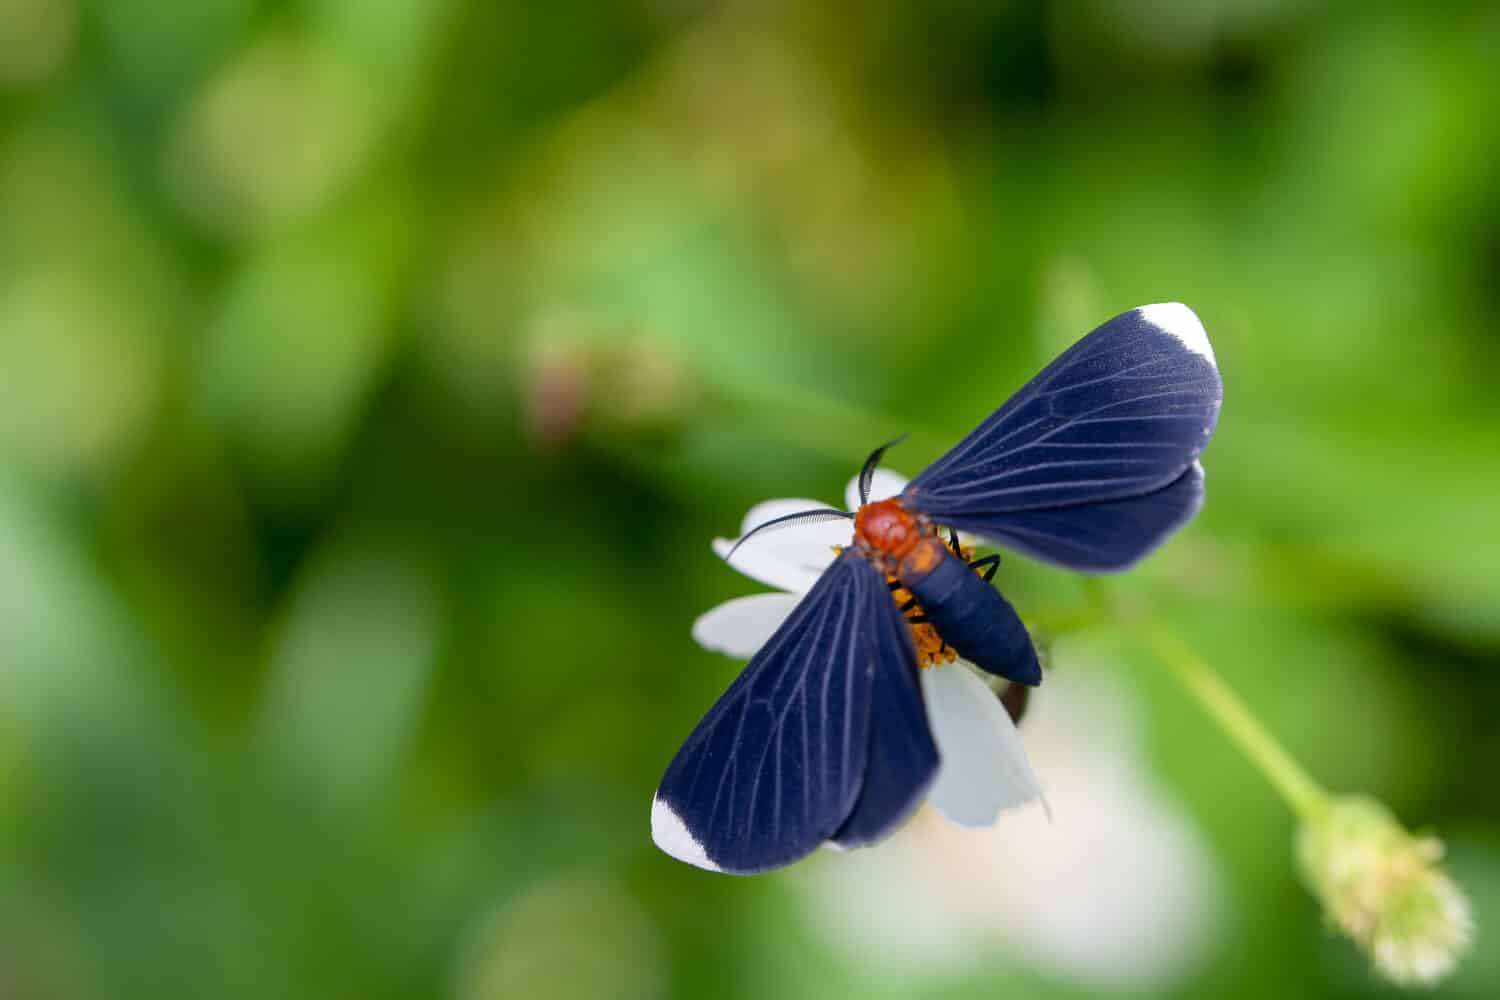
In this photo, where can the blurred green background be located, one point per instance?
(374, 373)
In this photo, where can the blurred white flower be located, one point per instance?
(1120, 892)
(983, 768)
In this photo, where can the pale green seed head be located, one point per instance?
(1383, 887)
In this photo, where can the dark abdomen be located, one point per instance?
(968, 613)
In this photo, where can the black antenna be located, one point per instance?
(867, 474)
(820, 514)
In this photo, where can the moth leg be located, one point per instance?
(953, 542)
(989, 564)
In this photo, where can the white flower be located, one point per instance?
(983, 767)
(1121, 893)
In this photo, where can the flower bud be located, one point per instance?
(580, 377)
(1383, 887)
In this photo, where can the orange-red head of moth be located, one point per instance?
(887, 528)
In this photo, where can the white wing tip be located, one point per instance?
(672, 836)
(1182, 323)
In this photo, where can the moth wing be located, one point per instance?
(1123, 412)
(776, 766)
(1097, 537)
(903, 759)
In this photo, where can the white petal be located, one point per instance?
(883, 484)
(809, 545)
(770, 569)
(740, 627)
(984, 767)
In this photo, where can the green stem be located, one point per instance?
(1302, 794)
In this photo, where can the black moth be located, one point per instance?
(824, 735)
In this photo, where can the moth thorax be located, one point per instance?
(886, 527)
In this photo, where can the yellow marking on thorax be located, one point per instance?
(925, 555)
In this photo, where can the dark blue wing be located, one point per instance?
(1121, 413)
(903, 760)
(1096, 537)
(777, 765)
